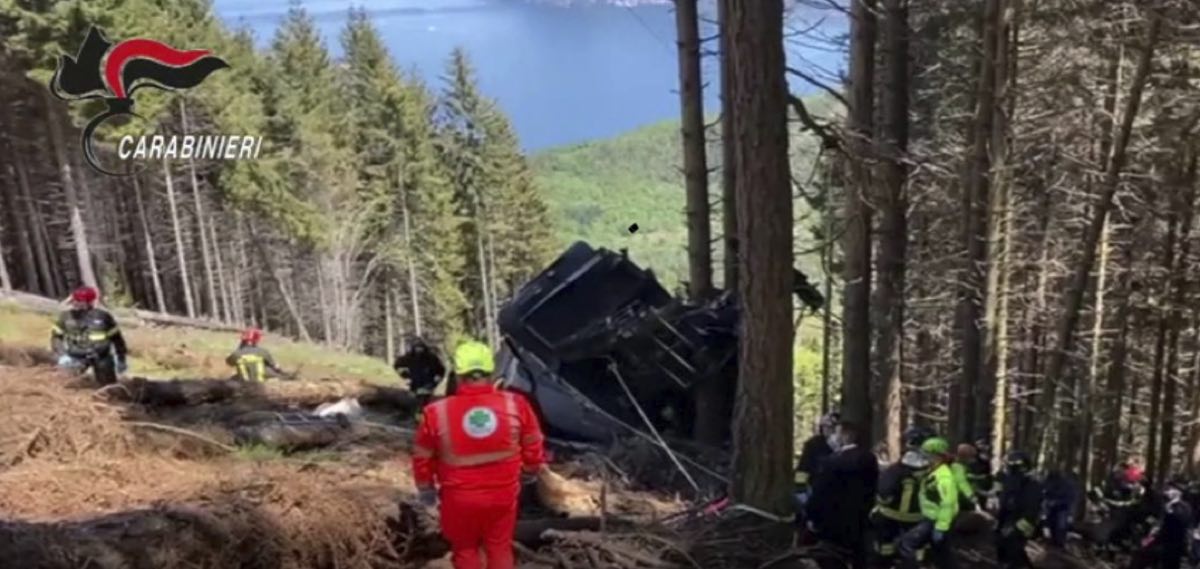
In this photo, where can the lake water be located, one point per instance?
(564, 74)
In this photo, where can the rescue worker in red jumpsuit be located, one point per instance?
(469, 454)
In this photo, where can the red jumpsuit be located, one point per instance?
(473, 445)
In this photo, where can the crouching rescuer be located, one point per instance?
(468, 457)
(88, 337)
(252, 361)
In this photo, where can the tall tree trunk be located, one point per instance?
(1073, 296)
(327, 304)
(409, 254)
(762, 437)
(1182, 199)
(485, 283)
(729, 222)
(160, 303)
(389, 326)
(1162, 343)
(180, 254)
(827, 255)
(991, 407)
(36, 228)
(1088, 400)
(1114, 390)
(1106, 127)
(10, 199)
(974, 390)
(205, 255)
(999, 343)
(244, 312)
(222, 283)
(1031, 360)
(856, 278)
(893, 239)
(6, 283)
(281, 285)
(1192, 452)
(87, 275)
(29, 268)
(491, 242)
(695, 164)
(712, 408)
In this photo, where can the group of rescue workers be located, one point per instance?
(473, 450)
(899, 515)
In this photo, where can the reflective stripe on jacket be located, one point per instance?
(476, 442)
(251, 362)
(897, 499)
(86, 333)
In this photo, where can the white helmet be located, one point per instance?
(915, 459)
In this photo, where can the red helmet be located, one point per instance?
(85, 295)
(252, 336)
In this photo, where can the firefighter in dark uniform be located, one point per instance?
(422, 368)
(1191, 497)
(897, 504)
(815, 450)
(1020, 510)
(844, 493)
(1167, 543)
(88, 337)
(1122, 496)
(979, 472)
(252, 361)
(1060, 496)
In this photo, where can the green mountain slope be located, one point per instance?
(597, 189)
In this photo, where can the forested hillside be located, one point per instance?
(596, 190)
(382, 203)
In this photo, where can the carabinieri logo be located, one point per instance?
(114, 73)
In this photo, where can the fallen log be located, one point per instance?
(160, 537)
(124, 316)
(290, 394)
(180, 391)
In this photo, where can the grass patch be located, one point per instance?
(258, 453)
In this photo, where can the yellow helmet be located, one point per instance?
(473, 357)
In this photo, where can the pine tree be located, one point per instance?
(506, 237)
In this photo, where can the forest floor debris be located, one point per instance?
(89, 474)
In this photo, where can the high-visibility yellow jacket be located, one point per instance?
(939, 497)
(252, 363)
(959, 470)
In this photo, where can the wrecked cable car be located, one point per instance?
(601, 347)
